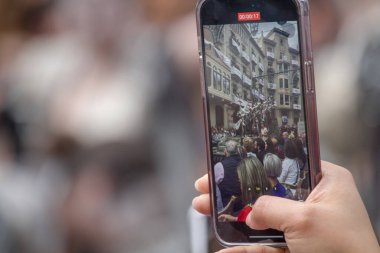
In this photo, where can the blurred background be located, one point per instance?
(101, 132)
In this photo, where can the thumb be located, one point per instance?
(273, 212)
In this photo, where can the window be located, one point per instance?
(284, 99)
(234, 89)
(226, 84)
(270, 49)
(295, 82)
(245, 95)
(287, 100)
(281, 55)
(284, 83)
(219, 80)
(295, 100)
(280, 67)
(214, 78)
(208, 74)
(286, 68)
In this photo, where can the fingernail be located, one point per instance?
(195, 200)
(196, 185)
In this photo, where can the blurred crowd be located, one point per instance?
(219, 133)
(97, 125)
(347, 84)
(101, 122)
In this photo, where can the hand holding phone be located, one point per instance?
(333, 218)
(259, 107)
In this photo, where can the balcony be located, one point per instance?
(297, 107)
(235, 72)
(220, 94)
(254, 58)
(296, 91)
(295, 63)
(261, 66)
(223, 57)
(261, 81)
(245, 57)
(235, 45)
(272, 86)
(262, 97)
(270, 55)
(284, 58)
(247, 80)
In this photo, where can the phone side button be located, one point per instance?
(309, 77)
(203, 92)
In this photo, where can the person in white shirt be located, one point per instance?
(290, 168)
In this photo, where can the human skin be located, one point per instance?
(333, 219)
(226, 217)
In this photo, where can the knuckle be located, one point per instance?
(345, 173)
(347, 176)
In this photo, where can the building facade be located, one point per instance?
(253, 68)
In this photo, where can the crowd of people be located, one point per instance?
(89, 113)
(218, 133)
(265, 165)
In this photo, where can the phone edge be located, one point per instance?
(303, 11)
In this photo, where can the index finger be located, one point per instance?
(201, 184)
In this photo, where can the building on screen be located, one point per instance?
(242, 62)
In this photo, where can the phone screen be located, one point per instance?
(255, 103)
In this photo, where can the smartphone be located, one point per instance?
(259, 109)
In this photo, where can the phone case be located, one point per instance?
(310, 105)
